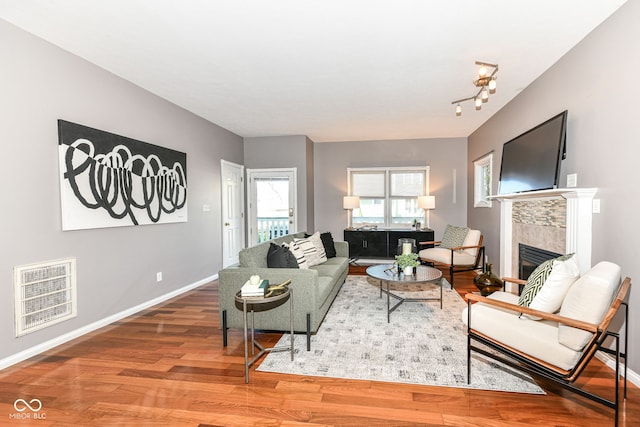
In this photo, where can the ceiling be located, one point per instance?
(334, 70)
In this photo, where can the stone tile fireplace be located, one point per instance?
(557, 220)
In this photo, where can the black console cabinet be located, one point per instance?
(381, 243)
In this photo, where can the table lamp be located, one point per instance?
(427, 203)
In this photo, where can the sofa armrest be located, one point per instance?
(590, 327)
(342, 249)
(303, 281)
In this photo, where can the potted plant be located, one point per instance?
(407, 262)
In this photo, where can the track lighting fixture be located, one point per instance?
(486, 81)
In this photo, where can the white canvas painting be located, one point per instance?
(107, 180)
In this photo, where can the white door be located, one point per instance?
(272, 203)
(232, 211)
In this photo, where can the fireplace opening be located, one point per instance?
(530, 257)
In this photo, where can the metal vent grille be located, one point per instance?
(45, 294)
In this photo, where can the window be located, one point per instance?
(482, 181)
(388, 196)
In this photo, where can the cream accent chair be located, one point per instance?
(559, 345)
(467, 257)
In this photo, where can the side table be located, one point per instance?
(253, 304)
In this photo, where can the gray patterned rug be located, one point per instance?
(422, 345)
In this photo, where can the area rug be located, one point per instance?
(422, 344)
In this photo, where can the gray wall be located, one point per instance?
(117, 266)
(287, 152)
(597, 82)
(443, 156)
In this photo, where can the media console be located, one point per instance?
(381, 243)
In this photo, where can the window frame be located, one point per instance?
(482, 171)
(388, 198)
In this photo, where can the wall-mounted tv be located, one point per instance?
(531, 161)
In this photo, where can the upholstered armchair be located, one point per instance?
(559, 331)
(459, 250)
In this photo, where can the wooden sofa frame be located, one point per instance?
(564, 378)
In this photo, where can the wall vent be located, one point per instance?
(45, 294)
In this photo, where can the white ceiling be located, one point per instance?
(335, 70)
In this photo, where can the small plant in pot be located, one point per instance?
(407, 262)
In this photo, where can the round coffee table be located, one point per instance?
(389, 274)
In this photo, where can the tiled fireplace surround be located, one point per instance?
(557, 220)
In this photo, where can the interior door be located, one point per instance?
(272, 203)
(232, 211)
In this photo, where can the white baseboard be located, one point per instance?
(610, 361)
(40, 348)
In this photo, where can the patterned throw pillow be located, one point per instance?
(310, 251)
(317, 242)
(537, 279)
(453, 236)
(298, 253)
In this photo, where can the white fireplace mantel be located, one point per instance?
(578, 223)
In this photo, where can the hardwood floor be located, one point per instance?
(166, 367)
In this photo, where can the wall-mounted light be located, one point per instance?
(486, 81)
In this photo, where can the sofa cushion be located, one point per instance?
(588, 300)
(472, 239)
(254, 257)
(310, 251)
(297, 252)
(453, 236)
(328, 243)
(549, 298)
(534, 283)
(443, 256)
(536, 338)
(280, 257)
(317, 242)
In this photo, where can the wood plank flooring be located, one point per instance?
(166, 367)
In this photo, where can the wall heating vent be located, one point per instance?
(45, 294)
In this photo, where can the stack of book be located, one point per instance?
(251, 290)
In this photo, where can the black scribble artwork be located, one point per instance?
(121, 180)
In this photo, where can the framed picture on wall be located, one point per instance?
(108, 180)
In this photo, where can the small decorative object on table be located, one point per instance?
(254, 287)
(407, 262)
(277, 289)
(488, 282)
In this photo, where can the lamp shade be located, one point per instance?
(427, 202)
(351, 202)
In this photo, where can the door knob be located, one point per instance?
(226, 224)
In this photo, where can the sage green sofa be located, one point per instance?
(314, 289)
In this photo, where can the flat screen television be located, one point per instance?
(531, 161)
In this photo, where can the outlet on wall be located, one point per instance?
(572, 180)
(159, 276)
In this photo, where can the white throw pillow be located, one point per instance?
(297, 252)
(549, 298)
(317, 242)
(310, 251)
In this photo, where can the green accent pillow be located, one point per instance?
(453, 236)
(537, 278)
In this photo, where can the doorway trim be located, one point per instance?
(291, 174)
(230, 250)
